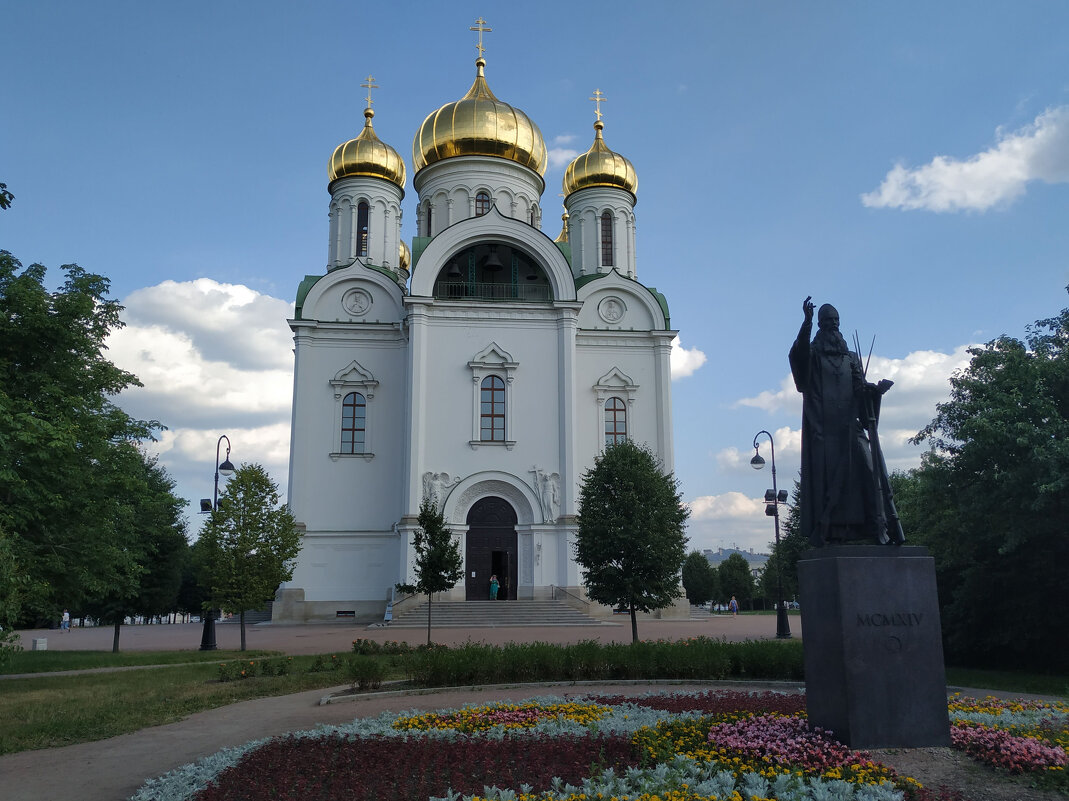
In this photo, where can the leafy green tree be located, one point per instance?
(191, 595)
(791, 545)
(438, 566)
(5, 197)
(144, 519)
(59, 432)
(248, 544)
(700, 580)
(991, 500)
(11, 589)
(736, 579)
(631, 541)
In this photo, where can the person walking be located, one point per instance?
(733, 605)
(65, 623)
(494, 585)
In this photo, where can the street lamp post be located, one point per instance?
(773, 498)
(207, 637)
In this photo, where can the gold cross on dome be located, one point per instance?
(598, 99)
(480, 26)
(369, 84)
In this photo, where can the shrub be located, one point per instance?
(365, 672)
(699, 658)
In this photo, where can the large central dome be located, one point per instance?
(479, 125)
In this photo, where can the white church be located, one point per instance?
(486, 365)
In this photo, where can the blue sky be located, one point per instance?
(908, 162)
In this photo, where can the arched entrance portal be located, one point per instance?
(491, 549)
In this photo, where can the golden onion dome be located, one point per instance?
(404, 255)
(599, 166)
(479, 125)
(367, 155)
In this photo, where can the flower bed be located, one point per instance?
(675, 747)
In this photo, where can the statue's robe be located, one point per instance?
(838, 497)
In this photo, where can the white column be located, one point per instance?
(353, 233)
(663, 358)
(568, 446)
(415, 405)
(332, 237)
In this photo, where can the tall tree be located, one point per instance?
(144, 520)
(58, 427)
(12, 583)
(631, 540)
(700, 580)
(991, 500)
(736, 579)
(248, 544)
(438, 565)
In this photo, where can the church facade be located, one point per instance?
(485, 366)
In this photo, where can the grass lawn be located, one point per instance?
(50, 711)
(49, 661)
(1010, 681)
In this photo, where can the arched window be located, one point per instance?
(482, 204)
(427, 223)
(615, 421)
(492, 409)
(361, 228)
(606, 239)
(353, 417)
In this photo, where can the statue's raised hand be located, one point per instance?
(807, 308)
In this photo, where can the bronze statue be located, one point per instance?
(845, 494)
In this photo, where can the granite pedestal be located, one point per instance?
(873, 646)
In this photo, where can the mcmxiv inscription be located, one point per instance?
(871, 616)
(879, 619)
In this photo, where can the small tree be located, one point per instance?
(438, 564)
(699, 578)
(631, 541)
(248, 545)
(736, 578)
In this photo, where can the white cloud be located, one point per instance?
(214, 359)
(786, 397)
(997, 176)
(563, 139)
(561, 156)
(728, 520)
(921, 381)
(685, 362)
(727, 506)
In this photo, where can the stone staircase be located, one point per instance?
(484, 614)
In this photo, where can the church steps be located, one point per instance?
(488, 614)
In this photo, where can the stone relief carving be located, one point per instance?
(548, 487)
(356, 302)
(612, 310)
(436, 486)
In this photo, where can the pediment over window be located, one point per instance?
(615, 380)
(355, 376)
(493, 356)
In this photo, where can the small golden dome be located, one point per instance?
(367, 155)
(404, 255)
(562, 237)
(599, 166)
(479, 125)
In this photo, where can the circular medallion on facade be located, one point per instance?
(356, 302)
(612, 310)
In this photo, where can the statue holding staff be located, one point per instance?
(845, 494)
